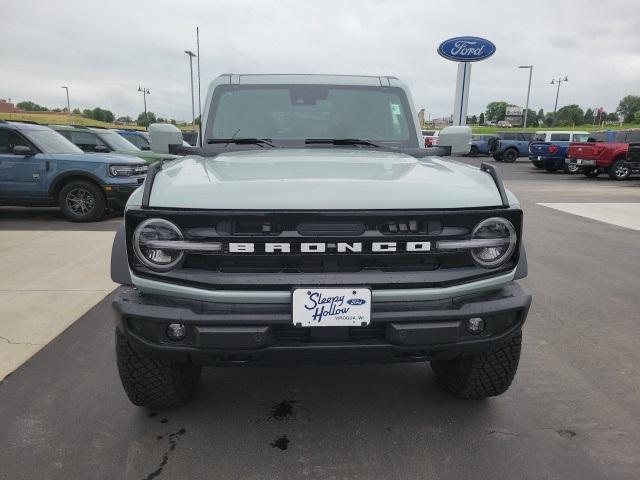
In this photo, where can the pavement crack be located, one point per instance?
(19, 343)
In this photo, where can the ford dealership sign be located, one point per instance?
(466, 49)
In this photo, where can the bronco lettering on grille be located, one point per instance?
(334, 247)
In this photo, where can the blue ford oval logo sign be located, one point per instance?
(466, 49)
(356, 301)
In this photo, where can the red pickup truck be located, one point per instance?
(595, 157)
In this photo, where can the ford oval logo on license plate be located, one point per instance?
(356, 301)
(466, 49)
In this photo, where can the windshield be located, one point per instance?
(116, 142)
(50, 141)
(299, 112)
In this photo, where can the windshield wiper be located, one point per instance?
(341, 141)
(242, 141)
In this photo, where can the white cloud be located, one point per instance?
(104, 50)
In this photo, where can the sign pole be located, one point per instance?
(462, 94)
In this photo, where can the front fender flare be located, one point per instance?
(55, 182)
(119, 261)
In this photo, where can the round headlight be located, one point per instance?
(500, 242)
(148, 239)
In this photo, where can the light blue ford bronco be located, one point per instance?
(310, 225)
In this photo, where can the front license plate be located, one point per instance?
(331, 307)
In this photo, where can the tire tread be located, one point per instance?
(486, 374)
(154, 383)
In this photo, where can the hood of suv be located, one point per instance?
(148, 156)
(110, 158)
(333, 178)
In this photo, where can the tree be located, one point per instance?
(637, 116)
(473, 120)
(76, 111)
(197, 120)
(549, 120)
(29, 106)
(102, 115)
(613, 117)
(481, 119)
(627, 107)
(570, 115)
(146, 121)
(588, 116)
(496, 111)
(541, 114)
(86, 113)
(532, 118)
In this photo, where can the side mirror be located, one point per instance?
(162, 135)
(22, 150)
(145, 148)
(457, 138)
(100, 149)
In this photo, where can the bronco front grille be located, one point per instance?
(229, 269)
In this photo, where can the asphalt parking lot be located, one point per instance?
(572, 412)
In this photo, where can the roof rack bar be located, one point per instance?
(497, 178)
(153, 169)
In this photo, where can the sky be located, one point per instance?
(103, 50)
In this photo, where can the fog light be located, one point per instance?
(176, 332)
(475, 325)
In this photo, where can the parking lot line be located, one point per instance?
(625, 215)
(49, 279)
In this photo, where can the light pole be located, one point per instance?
(558, 80)
(68, 104)
(145, 91)
(526, 108)
(193, 110)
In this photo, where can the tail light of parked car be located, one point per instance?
(553, 148)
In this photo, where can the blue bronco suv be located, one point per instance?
(39, 167)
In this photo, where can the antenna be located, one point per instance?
(199, 100)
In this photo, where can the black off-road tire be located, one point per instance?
(96, 203)
(486, 374)
(591, 172)
(510, 155)
(571, 168)
(617, 170)
(154, 383)
(497, 157)
(473, 151)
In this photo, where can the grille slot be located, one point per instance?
(290, 335)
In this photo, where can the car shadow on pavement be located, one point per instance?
(51, 218)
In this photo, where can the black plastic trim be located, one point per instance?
(152, 171)
(497, 178)
(119, 264)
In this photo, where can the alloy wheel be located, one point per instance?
(80, 201)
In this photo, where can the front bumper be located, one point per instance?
(224, 334)
(632, 164)
(118, 194)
